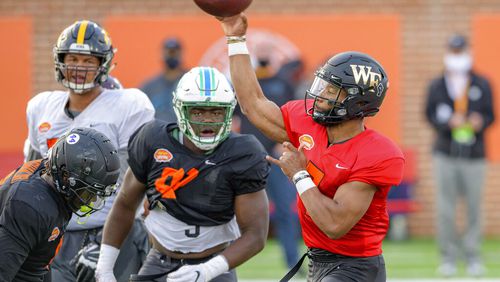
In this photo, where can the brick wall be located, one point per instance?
(425, 26)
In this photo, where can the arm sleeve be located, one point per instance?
(19, 234)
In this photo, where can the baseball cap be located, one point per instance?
(172, 43)
(457, 41)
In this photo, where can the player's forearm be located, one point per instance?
(248, 245)
(118, 224)
(246, 86)
(329, 215)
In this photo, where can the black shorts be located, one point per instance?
(327, 267)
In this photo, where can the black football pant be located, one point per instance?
(327, 267)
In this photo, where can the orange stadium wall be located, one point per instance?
(138, 39)
(15, 88)
(486, 44)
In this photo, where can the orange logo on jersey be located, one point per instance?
(44, 127)
(307, 140)
(172, 179)
(163, 155)
(55, 234)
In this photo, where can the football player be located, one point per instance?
(205, 187)
(83, 58)
(38, 198)
(342, 170)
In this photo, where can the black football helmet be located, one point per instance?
(361, 77)
(85, 167)
(83, 37)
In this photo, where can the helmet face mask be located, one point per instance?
(328, 99)
(360, 83)
(83, 38)
(88, 198)
(84, 167)
(204, 102)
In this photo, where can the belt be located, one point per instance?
(320, 255)
(186, 261)
(314, 254)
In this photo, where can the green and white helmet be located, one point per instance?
(204, 87)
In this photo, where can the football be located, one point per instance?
(223, 8)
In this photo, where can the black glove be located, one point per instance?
(86, 262)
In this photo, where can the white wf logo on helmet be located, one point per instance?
(72, 138)
(369, 77)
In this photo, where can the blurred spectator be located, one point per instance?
(460, 108)
(279, 189)
(160, 88)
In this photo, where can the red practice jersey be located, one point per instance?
(368, 157)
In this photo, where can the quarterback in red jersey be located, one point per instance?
(341, 169)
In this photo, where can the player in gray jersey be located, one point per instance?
(83, 58)
(205, 187)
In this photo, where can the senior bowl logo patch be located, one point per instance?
(55, 233)
(163, 155)
(44, 127)
(307, 140)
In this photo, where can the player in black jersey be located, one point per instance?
(205, 188)
(38, 198)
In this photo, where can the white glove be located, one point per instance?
(202, 272)
(107, 259)
(105, 277)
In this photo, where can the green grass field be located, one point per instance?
(416, 258)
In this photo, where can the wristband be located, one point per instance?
(238, 48)
(235, 39)
(107, 258)
(301, 174)
(304, 185)
(215, 267)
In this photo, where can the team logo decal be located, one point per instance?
(55, 233)
(163, 155)
(44, 127)
(369, 77)
(72, 138)
(307, 140)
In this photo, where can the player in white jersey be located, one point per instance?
(83, 58)
(205, 187)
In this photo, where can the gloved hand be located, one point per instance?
(202, 272)
(188, 273)
(86, 262)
